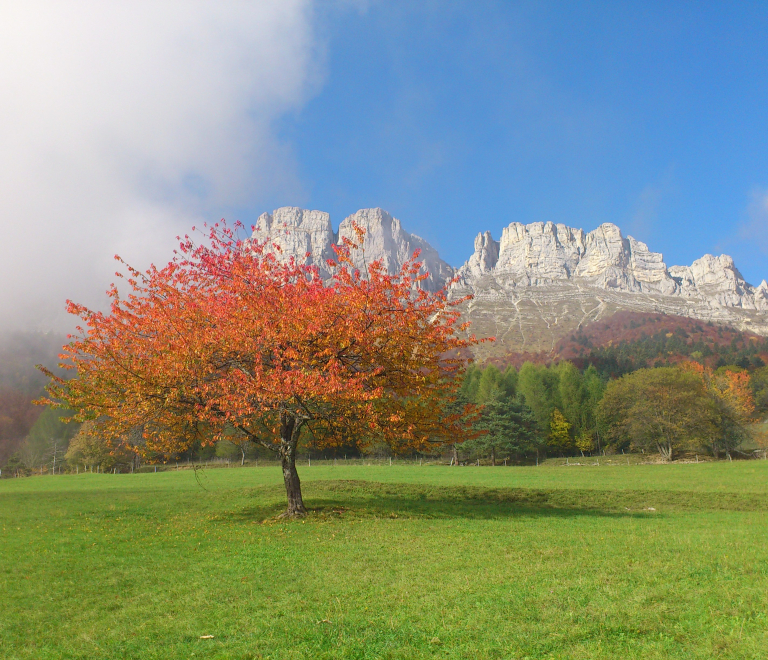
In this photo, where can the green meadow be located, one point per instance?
(621, 561)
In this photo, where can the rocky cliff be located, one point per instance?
(298, 232)
(539, 281)
(546, 253)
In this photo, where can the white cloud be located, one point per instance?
(755, 229)
(124, 123)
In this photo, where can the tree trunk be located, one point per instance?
(289, 438)
(455, 457)
(665, 449)
(493, 456)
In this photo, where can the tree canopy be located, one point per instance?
(657, 409)
(229, 339)
(507, 427)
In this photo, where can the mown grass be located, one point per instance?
(402, 562)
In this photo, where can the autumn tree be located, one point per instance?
(559, 431)
(731, 406)
(89, 448)
(17, 415)
(228, 338)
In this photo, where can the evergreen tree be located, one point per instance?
(509, 425)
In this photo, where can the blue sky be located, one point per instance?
(462, 117)
(124, 124)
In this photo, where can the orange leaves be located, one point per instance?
(729, 387)
(228, 337)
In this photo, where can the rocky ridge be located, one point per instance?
(298, 232)
(539, 281)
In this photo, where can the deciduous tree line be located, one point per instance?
(562, 410)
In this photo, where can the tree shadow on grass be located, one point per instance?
(366, 499)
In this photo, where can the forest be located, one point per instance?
(562, 410)
(570, 407)
(525, 415)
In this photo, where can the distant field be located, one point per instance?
(641, 561)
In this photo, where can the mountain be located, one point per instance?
(540, 282)
(297, 232)
(629, 340)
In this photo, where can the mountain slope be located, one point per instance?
(541, 282)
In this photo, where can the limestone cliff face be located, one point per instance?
(539, 281)
(543, 281)
(485, 257)
(718, 279)
(542, 254)
(298, 232)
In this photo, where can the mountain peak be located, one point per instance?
(298, 232)
(539, 280)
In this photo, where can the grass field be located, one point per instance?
(641, 561)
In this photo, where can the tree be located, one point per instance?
(471, 383)
(659, 408)
(731, 405)
(234, 445)
(226, 336)
(759, 386)
(538, 386)
(585, 442)
(488, 384)
(559, 431)
(17, 415)
(48, 439)
(570, 387)
(594, 389)
(90, 448)
(507, 427)
(480, 384)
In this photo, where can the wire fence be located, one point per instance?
(308, 461)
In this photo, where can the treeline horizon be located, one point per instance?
(533, 411)
(561, 409)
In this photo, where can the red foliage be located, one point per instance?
(627, 326)
(228, 339)
(17, 415)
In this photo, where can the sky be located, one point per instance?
(124, 124)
